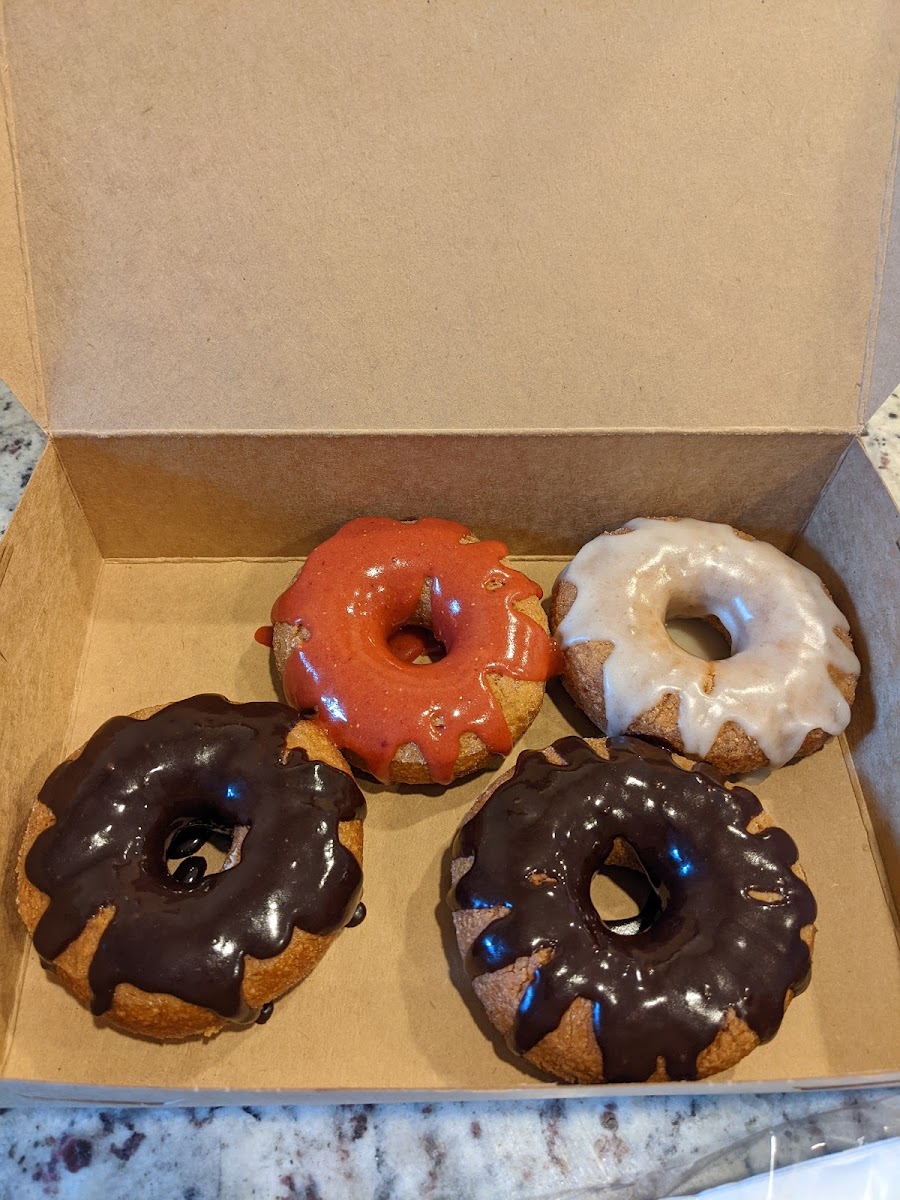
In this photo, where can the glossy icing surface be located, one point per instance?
(711, 946)
(353, 595)
(213, 764)
(776, 685)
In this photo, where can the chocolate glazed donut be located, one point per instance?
(174, 955)
(715, 959)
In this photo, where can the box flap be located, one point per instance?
(525, 215)
(853, 541)
(170, 495)
(882, 368)
(49, 570)
(19, 364)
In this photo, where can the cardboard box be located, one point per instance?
(537, 267)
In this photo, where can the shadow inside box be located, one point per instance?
(399, 806)
(429, 984)
(862, 717)
(569, 712)
(248, 673)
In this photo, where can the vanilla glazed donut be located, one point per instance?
(696, 982)
(335, 632)
(791, 677)
(170, 951)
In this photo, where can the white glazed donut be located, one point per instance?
(791, 677)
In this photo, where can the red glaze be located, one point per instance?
(557, 660)
(263, 635)
(412, 641)
(353, 594)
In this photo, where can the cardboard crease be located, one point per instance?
(865, 408)
(29, 390)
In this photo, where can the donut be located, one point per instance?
(172, 951)
(788, 685)
(340, 647)
(706, 972)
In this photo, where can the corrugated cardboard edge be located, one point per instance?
(20, 364)
(15, 1093)
(410, 431)
(881, 363)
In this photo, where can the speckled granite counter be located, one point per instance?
(627, 1149)
(630, 1149)
(21, 443)
(882, 440)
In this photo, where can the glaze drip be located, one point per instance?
(210, 762)
(665, 990)
(782, 624)
(359, 588)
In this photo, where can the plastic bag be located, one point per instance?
(850, 1152)
(864, 1173)
(778, 1161)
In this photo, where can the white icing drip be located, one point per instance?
(782, 624)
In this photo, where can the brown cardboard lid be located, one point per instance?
(19, 366)
(454, 216)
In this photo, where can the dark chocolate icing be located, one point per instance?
(202, 761)
(187, 841)
(664, 991)
(190, 870)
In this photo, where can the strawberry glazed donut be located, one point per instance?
(342, 634)
(791, 677)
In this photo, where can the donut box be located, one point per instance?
(536, 268)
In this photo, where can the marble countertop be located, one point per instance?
(627, 1149)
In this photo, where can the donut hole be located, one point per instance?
(704, 637)
(622, 893)
(416, 644)
(196, 848)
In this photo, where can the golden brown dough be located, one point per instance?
(571, 1051)
(165, 1016)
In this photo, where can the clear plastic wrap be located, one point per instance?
(843, 1153)
(870, 1172)
(784, 1161)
